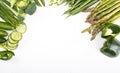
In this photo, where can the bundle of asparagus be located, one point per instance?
(101, 18)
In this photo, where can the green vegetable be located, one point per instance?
(2, 40)
(101, 18)
(77, 6)
(11, 46)
(31, 8)
(37, 3)
(110, 30)
(6, 26)
(12, 41)
(6, 55)
(21, 16)
(16, 36)
(22, 28)
(111, 47)
(10, 2)
(8, 15)
(43, 2)
(102, 13)
(117, 39)
(3, 33)
(108, 52)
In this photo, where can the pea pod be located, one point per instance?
(3, 33)
(2, 40)
(6, 55)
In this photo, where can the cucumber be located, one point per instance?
(6, 26)
(3, 33)
(11, 47)
(2, 40)
(22, 28)
(12, 41)
(11, 44)
(16, 36)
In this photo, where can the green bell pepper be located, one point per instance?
(111, 46)
(110, 30)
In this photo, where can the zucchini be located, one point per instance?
(6, 26)
(22, 28)
(3, 33)
(16, 36)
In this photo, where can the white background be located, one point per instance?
(53, 44)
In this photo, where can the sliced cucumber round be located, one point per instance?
(16, 36)
(4, 46)
(11, 44)
(22, 28)
(12, 41)
(11, 47)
